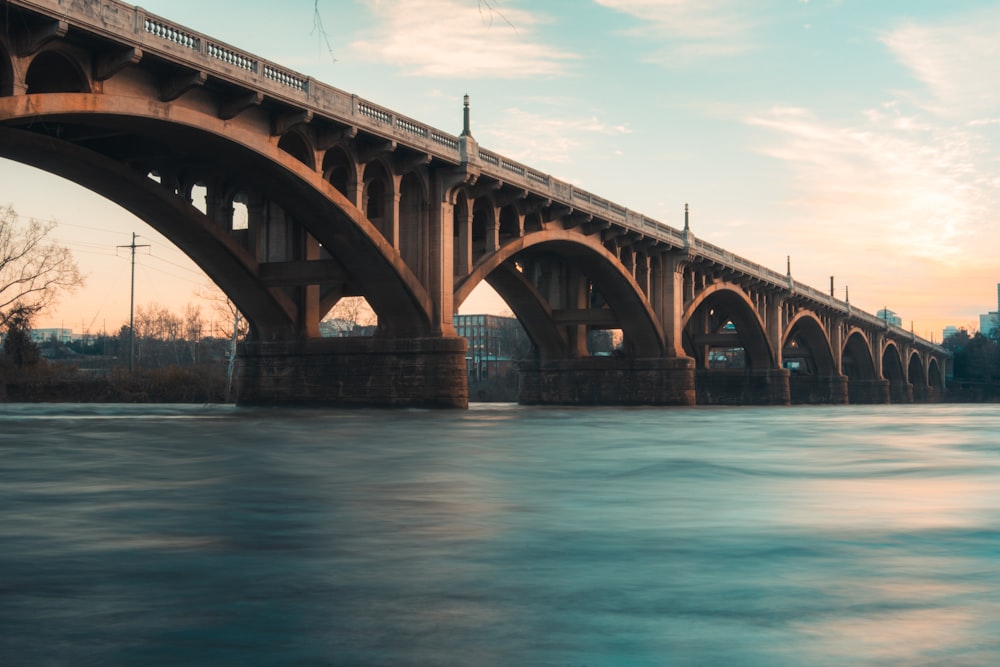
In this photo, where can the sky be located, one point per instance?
(857, 138)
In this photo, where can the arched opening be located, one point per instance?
(892, 370)
(533, 222)
(808, 358)
(295, 145)
(375, 199)
(858, 364)
(54, 72)
(935, 380)
(338, 171)
(723, 331)
(734, 364)
(483, 222)
(510, 223)
(915, 374)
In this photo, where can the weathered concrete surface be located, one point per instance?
(742, 387)
(608, 381)
(818, 389)
(868, 392)
(354, 372)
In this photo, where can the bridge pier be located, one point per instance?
(818, 389)
(868, 392)
(608, 381)
(742, 387)
(900, 392)
(354, 372)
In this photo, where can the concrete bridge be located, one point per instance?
(344, 197)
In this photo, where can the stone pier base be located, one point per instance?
(818, 389)
(742, 387)
(354, 372)
(607, 381)
(900, 392)
(868, 392)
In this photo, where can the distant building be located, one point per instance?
(61, 335)
(989, 323)
(496, 343)
(948, 331)
(890, 317)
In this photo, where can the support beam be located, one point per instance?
(106, 65)
(284, 122)
(176, 86)
(597, 317)
(233, 107)
(39, 37)
(295, 273)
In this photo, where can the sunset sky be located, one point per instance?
(858, 138)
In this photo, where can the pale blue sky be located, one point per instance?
(858, 137)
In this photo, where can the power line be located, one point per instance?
(131, 308)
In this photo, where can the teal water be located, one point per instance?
(505, 535)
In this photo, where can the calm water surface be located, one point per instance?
(154, 535)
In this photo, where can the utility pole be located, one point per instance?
(131, 307)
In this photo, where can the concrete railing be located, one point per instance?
(128, 24)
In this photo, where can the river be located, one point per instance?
(504, 535)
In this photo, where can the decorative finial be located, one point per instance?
(847, 294)
(788, 262)
(831, 286)
(466, 132)
(687, 226)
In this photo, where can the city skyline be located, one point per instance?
(856, 141)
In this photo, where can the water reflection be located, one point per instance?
(504, 535)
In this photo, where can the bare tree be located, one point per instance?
(34, 269)
(348, 314)
(232, 325)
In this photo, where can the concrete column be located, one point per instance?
(671, 305)
(464, 256)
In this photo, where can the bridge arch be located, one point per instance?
(895, 373)
(935, 378)
(706, 321)
(402, 304)
(505, 272)
(339, 170)
(56, 70)
(807, 342)
(296, 144)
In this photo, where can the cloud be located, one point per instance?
(535, 138)
(459, 39)
(891, 182)
(693, 29)
(958, 62)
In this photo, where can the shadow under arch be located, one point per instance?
(857, 362)
(643, 336)
(401, 302)
(6, 71)
(916, 378)
(892, 370)
(53, 71)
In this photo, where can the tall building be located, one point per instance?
(496, 343)
(890, 317)
(989, 323)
